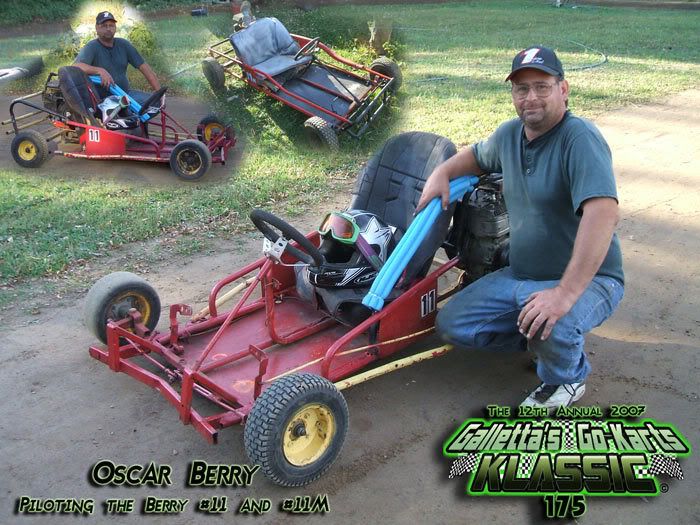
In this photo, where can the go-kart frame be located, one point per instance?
(190, 154)
(362, 93)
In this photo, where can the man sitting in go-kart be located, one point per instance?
(108, 57)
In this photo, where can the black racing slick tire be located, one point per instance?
(210, 126)
(113, 296)
(296, 429)
(190, 159)
(389, 68)
(214, 73)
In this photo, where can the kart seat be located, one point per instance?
(78, 93)
(391, 185)
(267, 46)
(84, 101)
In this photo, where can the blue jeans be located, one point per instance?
(485, 314)
(139, 96)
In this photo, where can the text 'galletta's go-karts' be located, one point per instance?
(116, 127)
(336, 94)
(314, 311)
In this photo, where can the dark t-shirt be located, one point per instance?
(114, 59)
(545, 182)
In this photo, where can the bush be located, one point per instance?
(68, 46)
(143, 39)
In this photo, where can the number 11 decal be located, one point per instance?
(428, 303)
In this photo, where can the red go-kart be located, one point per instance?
(278, 360)
(89, 127)
(337, 94)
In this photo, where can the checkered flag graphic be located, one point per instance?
(525, 465)
(668, 465)
(567, 426)
(642, 471)
(463, 464)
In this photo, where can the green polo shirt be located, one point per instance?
(545, 181)
(114, 59)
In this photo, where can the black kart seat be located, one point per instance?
(267, 46)
(78, 93)
(391, 185)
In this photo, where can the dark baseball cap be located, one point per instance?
(104, 16)
(537, 57)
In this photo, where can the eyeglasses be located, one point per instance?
(342, 227)
(541, 89)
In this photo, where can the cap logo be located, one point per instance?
(531, 56)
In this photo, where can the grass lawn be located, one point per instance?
(454, 56)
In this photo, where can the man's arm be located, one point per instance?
(438, 183)
(595, 231)
(150, 76)
(86, 59)
(105, 77)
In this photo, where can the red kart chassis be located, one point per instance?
(97, 142)
(358, 116)
(230, 358)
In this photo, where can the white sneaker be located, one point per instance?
(552, 397)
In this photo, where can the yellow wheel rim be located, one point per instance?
(119, 307)
(27, 150)
(189, 161)
(209, 130)
(308, 434)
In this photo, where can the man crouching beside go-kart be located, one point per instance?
(565, 275)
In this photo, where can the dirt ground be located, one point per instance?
(63, 411)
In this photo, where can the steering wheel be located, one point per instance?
(155, 96)
(264, 221)
(309, 48)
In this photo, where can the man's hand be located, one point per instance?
(543, 309)
(105, 78)
(437, 185)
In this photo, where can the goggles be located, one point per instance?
(343, 228)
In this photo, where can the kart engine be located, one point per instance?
(480, 230)
(52, 98)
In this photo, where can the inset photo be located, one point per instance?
(332, 71)
(102, 89)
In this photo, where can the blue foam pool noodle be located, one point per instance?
(409, 243)
(116, 90)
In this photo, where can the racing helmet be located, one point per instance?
(114, 114)
(355, 244)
